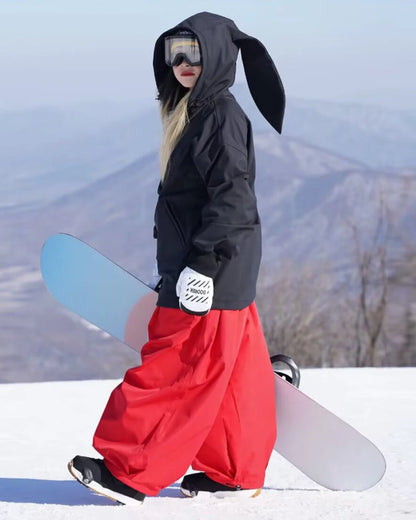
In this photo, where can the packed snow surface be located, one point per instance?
(45, 424)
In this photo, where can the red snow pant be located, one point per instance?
(204, 396)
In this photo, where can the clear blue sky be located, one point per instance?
(63, 52)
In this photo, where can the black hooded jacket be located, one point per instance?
(206, 216)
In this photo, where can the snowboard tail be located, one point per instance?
(316, 441)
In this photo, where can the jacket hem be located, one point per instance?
(221, 305)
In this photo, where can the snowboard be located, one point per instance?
(321, 445)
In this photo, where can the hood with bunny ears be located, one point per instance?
(220, 41)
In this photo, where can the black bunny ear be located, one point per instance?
(263, 80)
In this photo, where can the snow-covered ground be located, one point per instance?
(45, 424)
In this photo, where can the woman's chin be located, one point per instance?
(188, 82)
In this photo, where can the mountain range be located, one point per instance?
(49, 151)
(98, 181)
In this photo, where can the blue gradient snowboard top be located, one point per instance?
(316, 441)
(89, 284)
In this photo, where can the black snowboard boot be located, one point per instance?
(94, 474)
(194, 483)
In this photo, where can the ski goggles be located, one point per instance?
(180, 48)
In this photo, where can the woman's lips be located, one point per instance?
(187, 74)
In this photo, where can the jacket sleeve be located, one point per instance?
(230, 213)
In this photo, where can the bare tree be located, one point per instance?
(363, 313)
(372, 278)
(401, 331)
(292, 302)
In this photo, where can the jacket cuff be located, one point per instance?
(203, 262)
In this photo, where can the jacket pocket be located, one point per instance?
(176, 224)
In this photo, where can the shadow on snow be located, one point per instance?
(59, 492)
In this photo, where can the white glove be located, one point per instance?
(195, 292)
(155, 279)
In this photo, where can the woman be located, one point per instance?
(204, 394)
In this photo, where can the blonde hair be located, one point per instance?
(173, 125)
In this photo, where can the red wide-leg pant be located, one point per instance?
(204, 396)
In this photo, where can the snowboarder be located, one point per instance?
(204, 394)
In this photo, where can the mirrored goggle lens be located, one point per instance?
(182, 48)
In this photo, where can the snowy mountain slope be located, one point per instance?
(49, 151)
(374, 135)
(45, 424)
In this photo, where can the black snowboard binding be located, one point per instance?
(285, 367)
